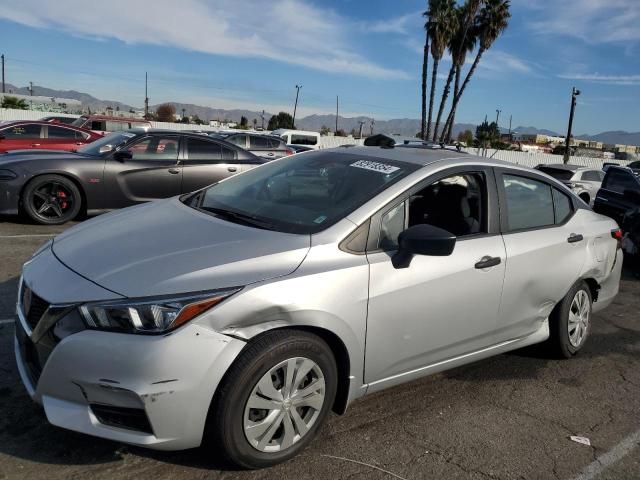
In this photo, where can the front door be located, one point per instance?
(438, 308)
(153, 172)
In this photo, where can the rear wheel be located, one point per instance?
(274, 399)
(570, 321)
(51, 200)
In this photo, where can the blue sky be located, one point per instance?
(252, 53)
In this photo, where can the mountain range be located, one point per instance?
(401, 126)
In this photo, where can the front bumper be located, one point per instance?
(151, 391)
(170, 378)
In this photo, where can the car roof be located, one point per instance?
(416, 156)
(41, 122)
(122, 119)
(566, 166)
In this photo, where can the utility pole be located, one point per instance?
(373, 122)
(295, 106)
(146, 96)
(31, 89)
(361, 122)
(574, 93)
(336, 130)
(262, 118)
(497, 116)
(2, 72)
(510, 118)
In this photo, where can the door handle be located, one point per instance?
(79, 143)
(35, 144)
(271, 154)
(575, 237)
(232, 169)
(174, 170)
(487, 262)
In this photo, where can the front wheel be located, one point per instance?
(51, 200)
(273, 399)
(570, 321)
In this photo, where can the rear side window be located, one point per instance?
(98, 125)
(239, 140)
(618, 181)
(61, 132)
(275, 143)
(592, 176)
(529, 203)
(22, 131)
(204, 151)
(557, 173)
(259, 142)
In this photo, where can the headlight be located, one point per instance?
(156, 315)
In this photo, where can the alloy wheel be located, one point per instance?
(284, 405)
(52, 200)
(579, 313)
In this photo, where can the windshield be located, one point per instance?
(302, 193)
(114, 139)
(558, 173)
(78, 122)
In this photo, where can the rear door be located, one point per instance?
(24, 135)
(153, 171)
(611, 199)
(265, 147)
(206, 162)
(63, 138)
(546, 248)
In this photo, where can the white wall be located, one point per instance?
(531, 159)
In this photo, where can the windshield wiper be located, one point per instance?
(239, 217)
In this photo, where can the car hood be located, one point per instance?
(166, 247)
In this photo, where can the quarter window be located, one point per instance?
(303, 139)
(259, 142)
(529, 203)
(562, 206)
(239, 140)
(592, 176)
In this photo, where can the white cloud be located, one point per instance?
(593, 21)
(290, 31)
(500, 62)
(605, 79)
(401, 25)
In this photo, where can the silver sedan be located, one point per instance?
(242, 314)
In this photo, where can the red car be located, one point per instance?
(29, 134)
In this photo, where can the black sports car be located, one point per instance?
(121, 169)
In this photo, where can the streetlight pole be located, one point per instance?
(295, 106)
(574, 93)
(497, 116)
(2, 72)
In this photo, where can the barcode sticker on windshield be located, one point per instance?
(375, 166)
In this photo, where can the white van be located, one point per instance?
(299, 137)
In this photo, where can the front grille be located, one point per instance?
(33, 306)
(121, 417)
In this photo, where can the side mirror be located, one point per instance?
(106, 148)
(423, 240)
(122, 155)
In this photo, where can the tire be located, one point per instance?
(565, 340)
(51, 200)
(232, 423)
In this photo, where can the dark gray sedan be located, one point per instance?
(121, 169)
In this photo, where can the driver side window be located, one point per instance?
(456, 203)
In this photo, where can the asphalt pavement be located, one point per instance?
(508, 417)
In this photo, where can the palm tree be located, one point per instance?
(441, 27)
(14, 102)
(462, 43)
(425, 64)
(458, 43)
(492, 20)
